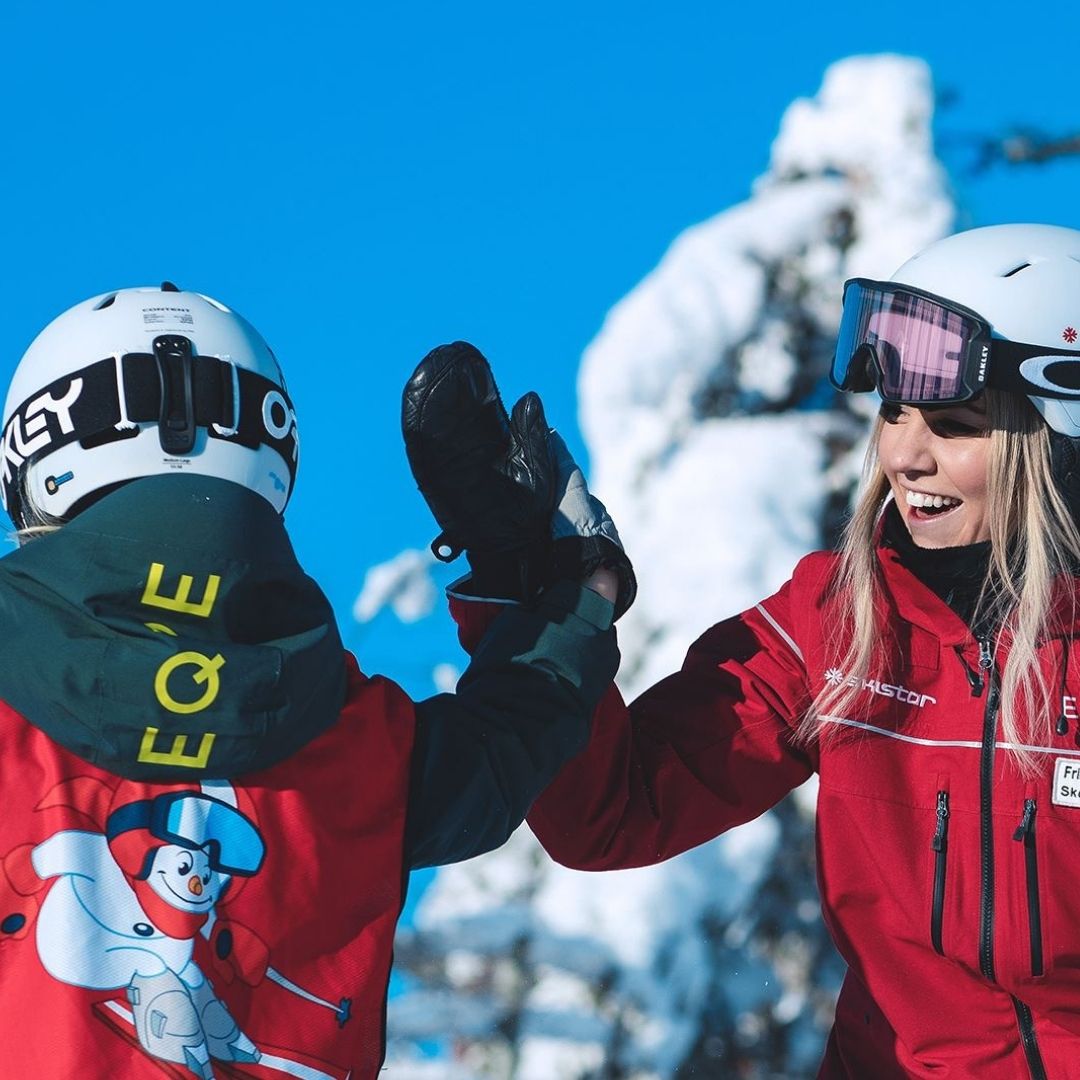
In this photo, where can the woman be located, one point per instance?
(927, 671)
(209, 812)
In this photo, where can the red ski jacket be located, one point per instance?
(123, 938)
(947, 878)
(209, 813)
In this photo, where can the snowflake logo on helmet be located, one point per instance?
(1069, 334)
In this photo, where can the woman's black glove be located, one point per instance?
(505, 490)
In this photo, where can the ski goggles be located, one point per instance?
(915, 348)
(198, 822)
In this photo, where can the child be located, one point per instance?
(210, 813)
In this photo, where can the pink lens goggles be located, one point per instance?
(915, 348)
(912, 347)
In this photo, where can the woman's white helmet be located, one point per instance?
(1024, 280)
(139, 382)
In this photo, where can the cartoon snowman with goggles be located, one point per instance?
(127, 903)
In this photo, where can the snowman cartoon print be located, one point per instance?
(126, 904)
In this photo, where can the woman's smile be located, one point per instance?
(922, 508)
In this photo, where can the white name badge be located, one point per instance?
(1066, 782)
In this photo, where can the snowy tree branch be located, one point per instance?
(1025, 148)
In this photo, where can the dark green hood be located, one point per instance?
(168, 633)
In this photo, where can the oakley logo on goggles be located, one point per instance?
(915, 348)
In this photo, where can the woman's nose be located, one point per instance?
(911, 450)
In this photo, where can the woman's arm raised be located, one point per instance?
(705, 749)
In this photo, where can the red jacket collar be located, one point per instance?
(919, 605)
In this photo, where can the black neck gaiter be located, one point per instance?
(955, 574)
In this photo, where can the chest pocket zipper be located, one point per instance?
(1025, 834)
(939, 845)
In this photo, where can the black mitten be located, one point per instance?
(488, 478)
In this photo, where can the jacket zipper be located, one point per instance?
(1024, 1019)
(1030, 1044)
(939, 845)
(1025, 834)
(975, 680)
(986, 824)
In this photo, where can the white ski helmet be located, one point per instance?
(1024, 280)
(139, 382)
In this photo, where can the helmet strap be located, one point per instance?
(1065, 467)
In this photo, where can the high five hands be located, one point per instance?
(504, 488)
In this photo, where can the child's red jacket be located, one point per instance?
(209, 813)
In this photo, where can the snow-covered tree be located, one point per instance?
(724, 456)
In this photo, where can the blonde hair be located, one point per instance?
(31, 532)
(37, 522)
(1033, 542)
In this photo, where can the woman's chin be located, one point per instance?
(943, 530)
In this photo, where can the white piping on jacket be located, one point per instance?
(782, 632)
(1059, 751)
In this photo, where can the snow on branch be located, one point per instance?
(403, 583)
(1021, 146)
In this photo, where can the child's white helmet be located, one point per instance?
(136, 383)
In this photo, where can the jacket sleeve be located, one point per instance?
(522, 708)
(706, 749)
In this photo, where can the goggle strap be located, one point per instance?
(228, 401)
(1007, 375)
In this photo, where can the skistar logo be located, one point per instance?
(835, 677)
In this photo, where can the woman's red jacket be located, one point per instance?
(947, 876)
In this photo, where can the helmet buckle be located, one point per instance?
(176, 421)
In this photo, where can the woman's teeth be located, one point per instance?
(917, 498)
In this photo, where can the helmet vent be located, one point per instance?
(106, 302)
(1016, 269)
(216, 303)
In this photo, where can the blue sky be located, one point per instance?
(365, 183)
